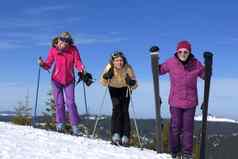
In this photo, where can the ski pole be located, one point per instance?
(36, 100)
(99, 111)
(37, 94)
(134, 114)
(85, 100)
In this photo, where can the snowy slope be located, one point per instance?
(21, 142)
(211, 118)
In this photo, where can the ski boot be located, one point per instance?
(187, 156)
(76, 131)
(125, 141)
(176, 156)
(60, 127)
(116, 139)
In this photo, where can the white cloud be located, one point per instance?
(23, 40)
(9, 45)
(46, 9)
(25, 23)
(17, 39)
(9, 84)
(92, 39)
(37, 24)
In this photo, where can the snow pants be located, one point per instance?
(181, 130)
(120, 122)
(59, 91)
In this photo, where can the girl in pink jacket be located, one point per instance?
(65, 57)
(183, 69)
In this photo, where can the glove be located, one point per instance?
(109, 74)
(88, 78)
(130, 81)
(40, 61)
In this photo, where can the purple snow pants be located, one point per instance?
(181, 130)
(59, 91)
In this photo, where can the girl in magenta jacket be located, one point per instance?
(183, 69)
(65, 57)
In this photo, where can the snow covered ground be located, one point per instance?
(22, 142)
(211, 118)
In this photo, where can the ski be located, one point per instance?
(116, 143)
(154, 53)
(208, 72)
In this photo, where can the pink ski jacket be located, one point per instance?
(65, 62)
(183, 81)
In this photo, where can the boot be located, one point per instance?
(187, 156)
(176, 156)
(60, 127)
(124, 141)
(116, 139)
(76, 131)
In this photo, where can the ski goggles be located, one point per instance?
(117, 54)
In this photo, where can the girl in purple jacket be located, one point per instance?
(184, 70)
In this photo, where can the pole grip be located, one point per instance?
(208, 56)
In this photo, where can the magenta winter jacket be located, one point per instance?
(65, 62)
(183, 81)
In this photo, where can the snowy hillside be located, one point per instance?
(21, 142)
(211, 118)
(7, 113)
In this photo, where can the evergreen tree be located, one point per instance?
(23, 113)
(50, 115)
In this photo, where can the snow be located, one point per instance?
(4, 114)
(7, 113)
(24, 142)
(95, 117)
(211, 118)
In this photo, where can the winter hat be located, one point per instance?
(184, 44)
(66, 37)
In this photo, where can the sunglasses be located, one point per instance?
(185, 52)
(66, 40)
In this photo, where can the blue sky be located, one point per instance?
(99, 27)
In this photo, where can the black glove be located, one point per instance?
(109, 74)
(86, 77)
(130, 81)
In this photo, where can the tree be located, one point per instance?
(23, 113)
(50, 115)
